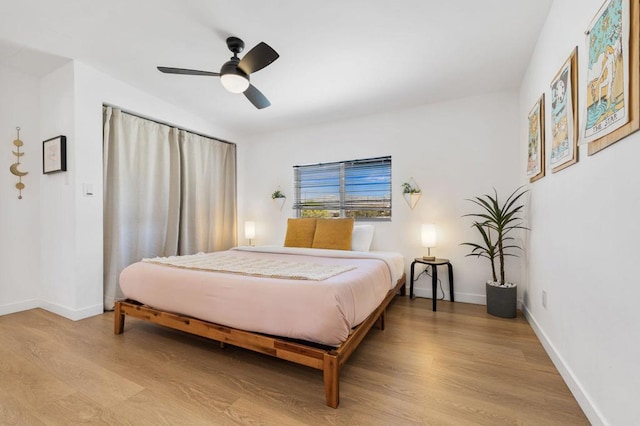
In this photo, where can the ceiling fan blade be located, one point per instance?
(257, 58)
(256, 97)
(184, 71)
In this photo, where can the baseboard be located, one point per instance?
(589, 408)
(477, 299)
(73, 314)
(25, 305)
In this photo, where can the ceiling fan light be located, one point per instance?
(234, 83)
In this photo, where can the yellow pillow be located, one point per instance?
(300, 232)
(333, 234)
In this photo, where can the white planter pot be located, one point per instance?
(412, 198)
(279, 201)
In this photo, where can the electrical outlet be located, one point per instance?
(544, 299)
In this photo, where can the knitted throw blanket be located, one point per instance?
(272, 268)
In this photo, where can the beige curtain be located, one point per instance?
(141, 194)
(166, 192)
(208, 207)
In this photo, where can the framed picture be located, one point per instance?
(54, 155)
(611, 105)
(564, 115)
(535, 142)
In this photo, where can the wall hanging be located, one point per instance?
(14, 167)
(535, 141)
(54, 155)
(278, 197)
(411, 192)
(564, 115)
(611, 106)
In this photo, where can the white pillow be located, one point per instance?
(361, 237)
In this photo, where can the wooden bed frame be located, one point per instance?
(327, 359)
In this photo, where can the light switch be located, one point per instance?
(87, 189)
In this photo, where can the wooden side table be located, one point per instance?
(434, 277)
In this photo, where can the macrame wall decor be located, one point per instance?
(14, 167)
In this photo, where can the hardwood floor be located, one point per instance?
(456, 366)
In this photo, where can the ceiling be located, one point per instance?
(338, 58)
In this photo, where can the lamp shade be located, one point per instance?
(428, 235)
(249, 230)
(234, 83)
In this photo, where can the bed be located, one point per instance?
(311, 306)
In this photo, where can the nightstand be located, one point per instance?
(434, 277)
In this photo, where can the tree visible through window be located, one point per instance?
(360, 189)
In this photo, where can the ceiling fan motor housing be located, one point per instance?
(235, 45)
(231, 67)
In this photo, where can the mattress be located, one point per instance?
(320, 311)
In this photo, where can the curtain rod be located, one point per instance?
(135, 114)
(361, 160)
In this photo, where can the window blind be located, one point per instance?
(358, 188)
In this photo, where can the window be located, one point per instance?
(360, 189)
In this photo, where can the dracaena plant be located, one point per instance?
(495, 222)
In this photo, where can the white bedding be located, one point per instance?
(395, 261)
(317, 311)
(222, 261)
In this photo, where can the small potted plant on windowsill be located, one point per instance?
(495, 223)
(411, 193)
(279, 197)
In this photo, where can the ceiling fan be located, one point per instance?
(234, 74)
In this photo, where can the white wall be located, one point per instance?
(583, 245)
(445, 155)
(19, 219)
(57, 206)
(454, 150)
(91, 89)
(52, 253)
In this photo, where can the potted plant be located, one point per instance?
(411, 193)
(494, 223)
(279, 197)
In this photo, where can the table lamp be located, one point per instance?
(250, 230)
(428, 239)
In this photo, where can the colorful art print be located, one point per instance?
(535, 142)
(560, 104)
(533, 159)
(564, 149)
(607, 80)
